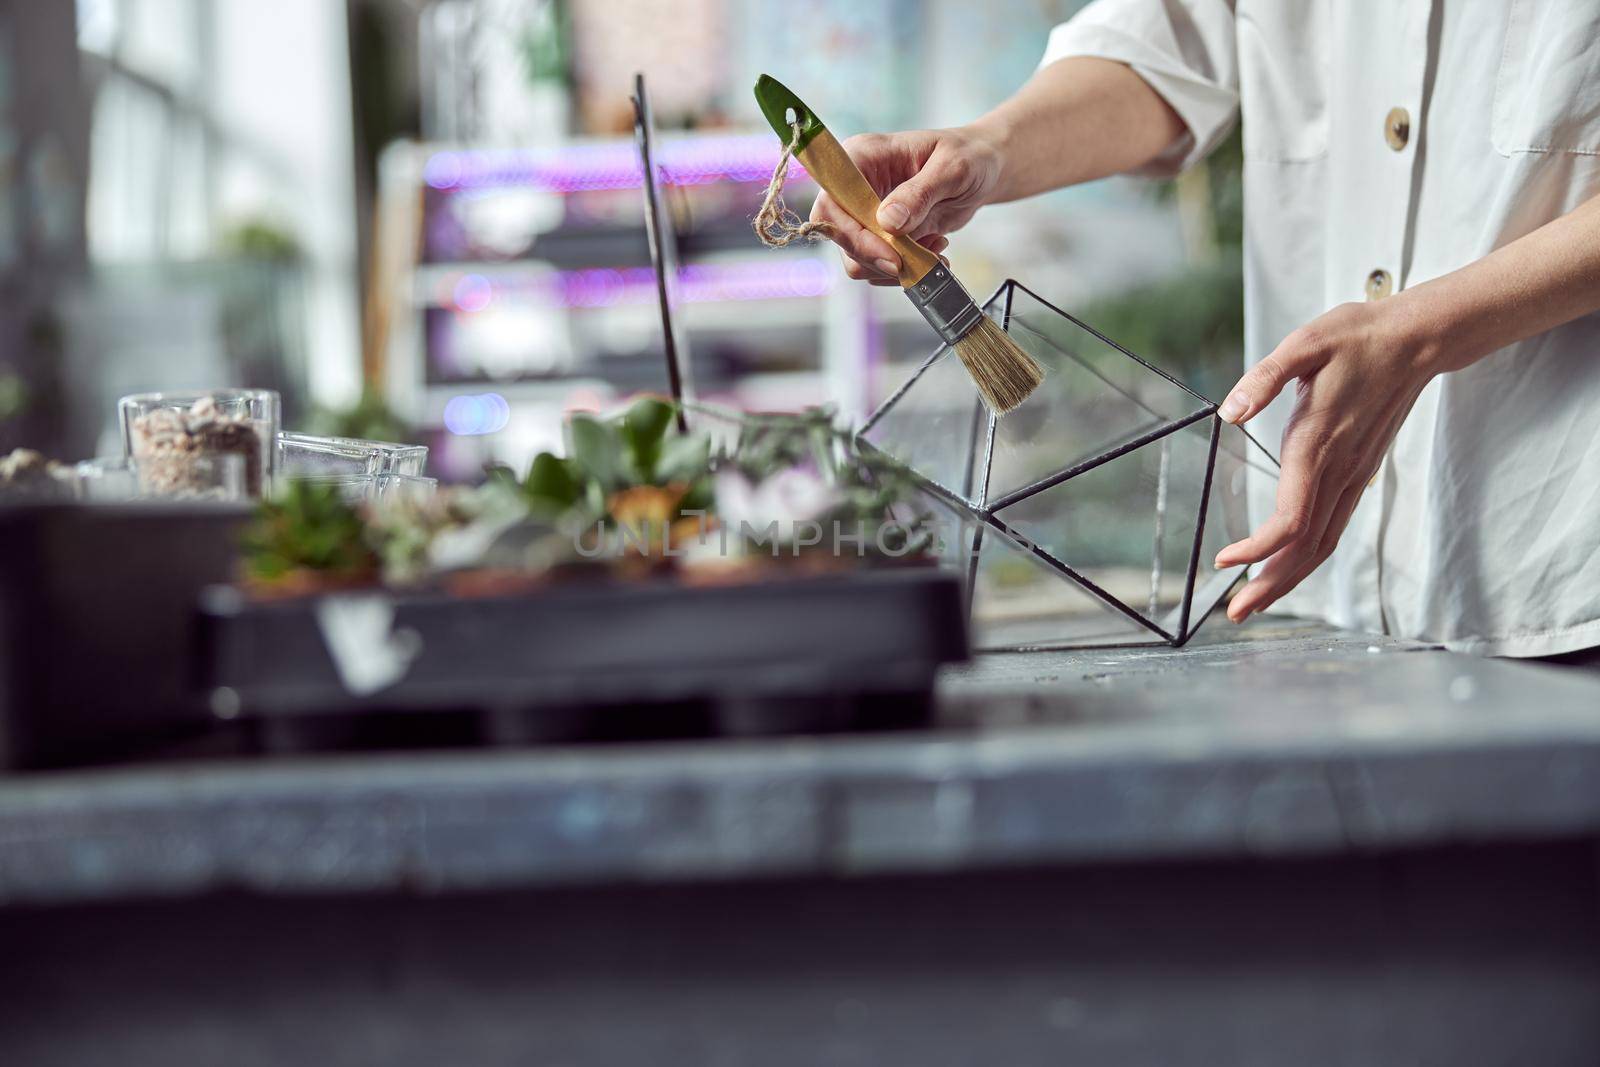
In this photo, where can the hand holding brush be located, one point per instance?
(1003, 373)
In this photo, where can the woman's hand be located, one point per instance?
(931, 182)
(1359, 369)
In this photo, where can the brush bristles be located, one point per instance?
(1003, 373)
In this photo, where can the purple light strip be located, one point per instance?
(700, 283)
(611, 165)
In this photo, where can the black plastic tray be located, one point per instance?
(845, 651)
(97, 623)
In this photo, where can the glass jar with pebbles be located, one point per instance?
(166, 434)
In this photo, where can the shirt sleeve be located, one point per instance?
(1183, 48)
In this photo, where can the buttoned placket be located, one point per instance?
(1400, 130)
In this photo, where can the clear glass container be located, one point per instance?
(166, 433)
(1088, 515)
(107, 480)
(114, 479)
(362, 488)
(408, 487)
(308, 454)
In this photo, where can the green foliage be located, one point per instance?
(370, 419)
(1193, 321)
(13, 396)
(308, 527)
(770, 443)
(596, 449)
(553, 485)
(606, 456)
(636, 464)
(874, 491)
(259, 239)
(544, 44)
(641, 433)
(682, 458)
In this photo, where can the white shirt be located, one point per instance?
(1483, 529)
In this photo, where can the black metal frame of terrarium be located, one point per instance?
(1085, 516)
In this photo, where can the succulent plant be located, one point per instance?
(608, 456)
(865, 491)
(308, 527)
(633, 475)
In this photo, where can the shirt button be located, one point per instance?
(1397, 128)
(1379, 285)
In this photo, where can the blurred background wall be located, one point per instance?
(421, 218)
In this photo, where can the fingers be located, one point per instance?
(944, 176)
(1305, 454)
(1300, 355)
(867, 257)
(871, 254)
(935, 172)
(1291, 567)
(873, 276)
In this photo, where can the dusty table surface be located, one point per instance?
(1272, 739)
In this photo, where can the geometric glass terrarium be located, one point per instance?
(1088, 515)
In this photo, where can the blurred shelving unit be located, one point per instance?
(512, 286)
(507, 285)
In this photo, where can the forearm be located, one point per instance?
(1076, 120)
(1536, 283)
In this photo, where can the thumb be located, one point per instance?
(1261, 384)
(905, 208)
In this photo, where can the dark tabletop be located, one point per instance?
(1274, 739)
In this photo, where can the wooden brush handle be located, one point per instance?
(831, 167)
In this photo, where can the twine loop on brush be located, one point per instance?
(774, 223)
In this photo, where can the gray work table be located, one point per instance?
(1280, 844)
(1278, 738)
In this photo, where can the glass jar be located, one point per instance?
(165, 434)
(115, 480)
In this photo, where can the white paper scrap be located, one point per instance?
(359, 633)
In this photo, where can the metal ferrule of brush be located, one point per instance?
(946, 304)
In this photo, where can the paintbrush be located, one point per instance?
(1003, 373)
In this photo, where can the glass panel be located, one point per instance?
(1244, 484)
(954, 529)
(1127, 524)
(1020, 601)
(1094, 398)
(936, 426)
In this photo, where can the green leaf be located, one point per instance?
(684, 457)
(500, 474)
(552, 485)
(596, 449)
(309, 526)
(700, 497)
(644, 426)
